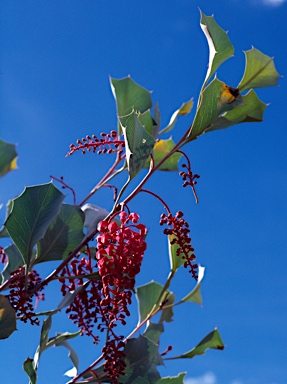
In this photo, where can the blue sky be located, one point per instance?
(56, 59)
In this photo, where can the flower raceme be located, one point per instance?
(179, 229)
(108, 143)
(120, 253)
(105, 300)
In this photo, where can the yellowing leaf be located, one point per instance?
(7, 318)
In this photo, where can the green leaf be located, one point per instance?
(148, 122)
(251, 112)
(8, 157)
(148, 297)
(153, 333)
(175, 260)
(44, 337)
(63, 235)
(3, 231)
(141, 361)
(259, 71)
(216, 99)
(183, 110)
(30, 370)
(7, 318)
(195, 295)
(160, 150)
(211, 341)
(32, 213)
(179, 379)
(138, 142)
(220, 47)
(130, 96)
(59, 340)
(14, 262)
(93, 215)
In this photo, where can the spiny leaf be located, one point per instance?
(141, 359)
(195, 295)
(7, 318)
(8, 157)
(32, 213)
(44, 337)
(15, 261)
(138, 142)
(28, 367)
(130, 96)
(259, 71)
(216, 99)
(179, 379)
(148, 296)
(220, 47)
(250, 112)
(211, 341)
(63, 235)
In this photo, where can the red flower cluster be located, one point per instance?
(179, 229)
(107, 144)
(106, 297)
(120, 253)
(3, 256)
(85, 309)
(20, 296)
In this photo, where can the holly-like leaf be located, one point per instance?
(160, 150)
(31, 214)
(138, 143)
(179, 379)
(14, 261)
(216, 99)
(28, 367)
(44, 337)
(250, 112)
(148, 296)
(220, 47)
(93, 215)
(8, 157)
(195, 295)
(130, 96)
(211, 341)
(148, 122)
(7, 318)
(59, 340)
(141, 361)
(63, 235)
(183, 110)
(259, 71)
(153, 333)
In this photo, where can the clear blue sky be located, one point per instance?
(56, 59)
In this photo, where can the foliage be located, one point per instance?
(99, 253)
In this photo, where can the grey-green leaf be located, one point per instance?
(30, 370)
(211, 341)
(138, 143)
(14, 262)
(63, 235)
(259, 72)
(130, 96)
(31, 214)
(220, 47)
